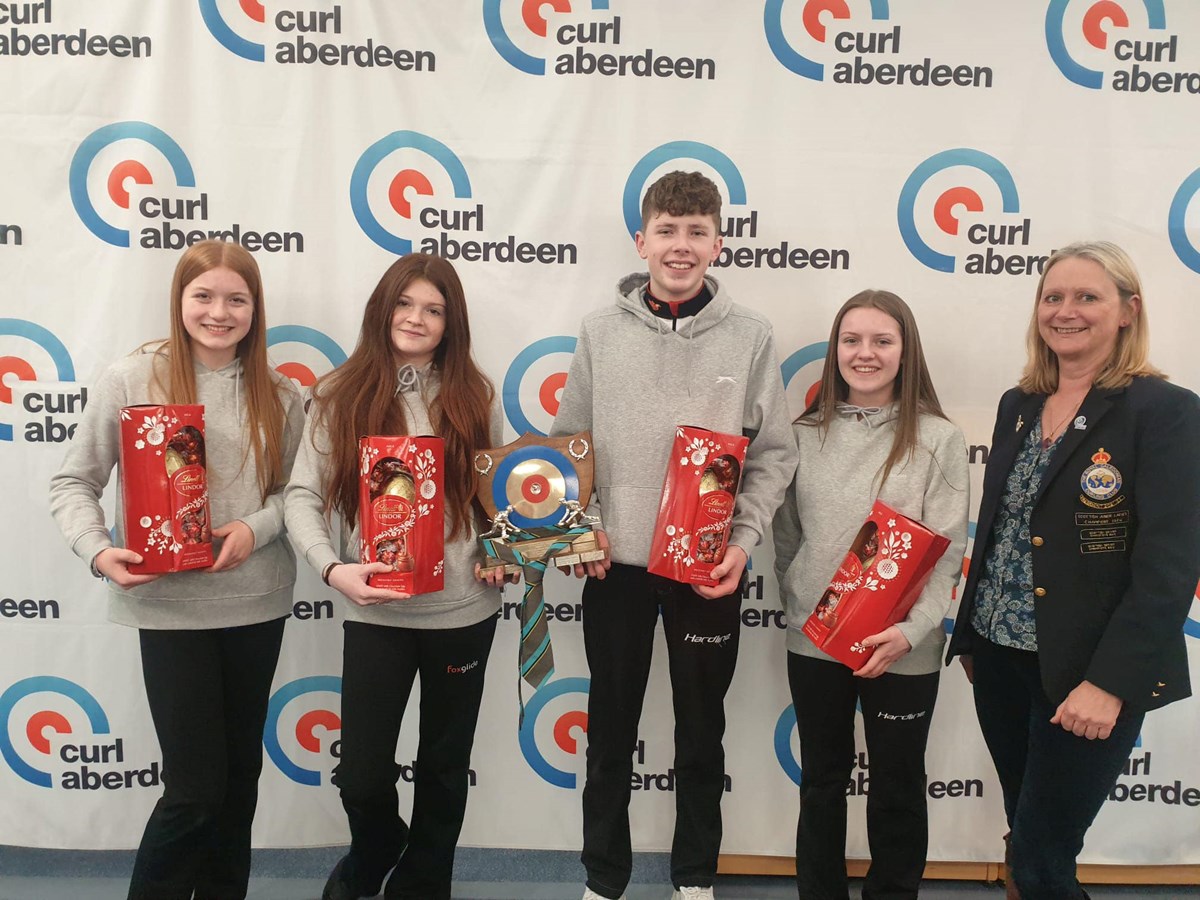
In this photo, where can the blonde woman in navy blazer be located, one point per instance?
(1086, 559)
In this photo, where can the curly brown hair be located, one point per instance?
(682, 194)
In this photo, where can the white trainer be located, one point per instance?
(589, 894)
(693, 893)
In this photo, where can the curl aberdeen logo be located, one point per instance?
(541, 369)
(295, 715)
(571, 36)
(114, 155)
(141, 136)
(1087, 38)
(297, 48)
(741, 249)
(534, 22)
(814, 26)
(249, 11)
(404, 180)
(559, 728)
(1183, 245)
(858, 55)
(399, 168)
(48, 703)
(43, 347)
(307, 354)
(933, 205)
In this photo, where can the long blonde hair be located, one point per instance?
(1131, 354)
(913, 388)
(174, 378)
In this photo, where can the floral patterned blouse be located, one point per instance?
(1004, 599)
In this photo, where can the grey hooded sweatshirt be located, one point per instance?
(835, 487)
(633, 380)
(462, 601)
(258, 590)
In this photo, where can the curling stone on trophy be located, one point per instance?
(535, 492)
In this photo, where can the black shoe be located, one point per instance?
(339, 888)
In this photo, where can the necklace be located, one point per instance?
(1049, 437)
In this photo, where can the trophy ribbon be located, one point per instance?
(535, 653)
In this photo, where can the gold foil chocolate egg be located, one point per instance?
(174, 461)
(709, 482)
(400, 486)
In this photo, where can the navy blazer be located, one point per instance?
(1116, 540)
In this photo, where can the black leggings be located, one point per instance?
(379, 668)
(896, 710)
(208, 692)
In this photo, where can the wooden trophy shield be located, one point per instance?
(535, 491)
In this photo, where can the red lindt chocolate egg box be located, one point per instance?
(883, 574)
(164, 487)
(696, 512)
(400, 511)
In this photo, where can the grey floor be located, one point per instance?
(479, 875)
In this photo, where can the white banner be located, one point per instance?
(940, 150)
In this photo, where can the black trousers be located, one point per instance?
(897, 710)
(208, 692)
(1054, 783)
(619, 618)
(378, 670)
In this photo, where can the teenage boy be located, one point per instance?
(674, 350)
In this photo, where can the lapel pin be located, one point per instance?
(1080, 423)
(1020, 422)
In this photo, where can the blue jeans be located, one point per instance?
(1053, 782)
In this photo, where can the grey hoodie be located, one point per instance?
(258, 590)
(633, 380)
(831, 496)
(462, 601)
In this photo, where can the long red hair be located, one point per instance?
(359, 397)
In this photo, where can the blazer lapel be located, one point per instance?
(1092, 410)
(1000, 460)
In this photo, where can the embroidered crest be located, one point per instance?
(1101, 480)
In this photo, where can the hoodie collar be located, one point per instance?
(631, 288)
(680, 309)
(413, 378)
(231, 370)
(870, 416)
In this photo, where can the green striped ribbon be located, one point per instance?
(535, 656)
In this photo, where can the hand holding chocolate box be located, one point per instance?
(164, 486)
(696, 513)
(400, 511)
(883, 574)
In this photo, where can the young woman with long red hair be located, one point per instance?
(411, 373)
(209, 638)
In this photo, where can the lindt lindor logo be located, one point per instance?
(190, 482)
(391, 509)
(716, 504)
